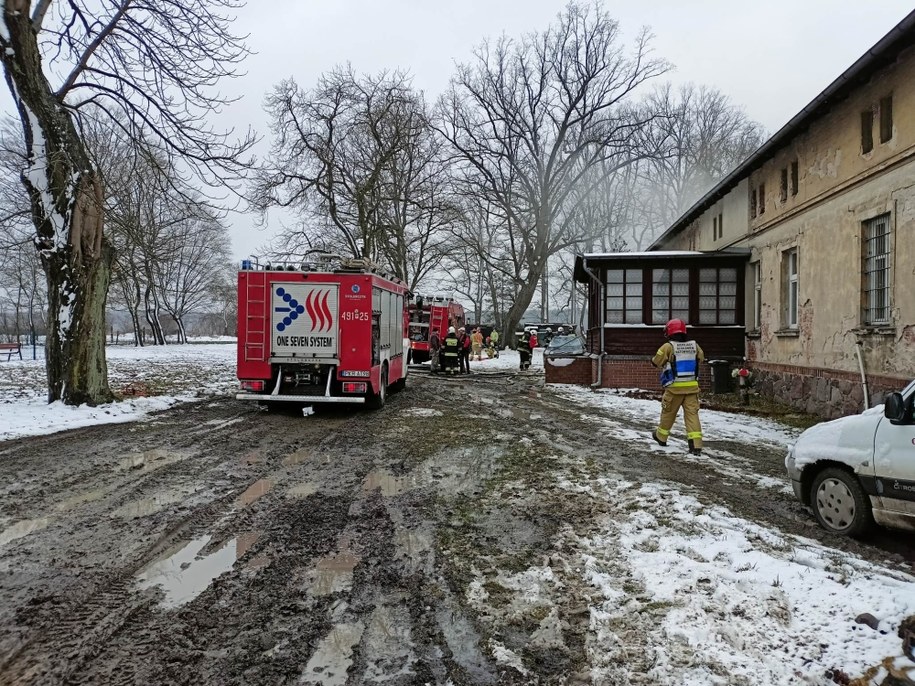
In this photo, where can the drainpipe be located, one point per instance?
(603, 314)
(858, 346)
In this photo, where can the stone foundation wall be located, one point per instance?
(827, 393)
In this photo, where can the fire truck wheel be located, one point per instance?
(376, 402)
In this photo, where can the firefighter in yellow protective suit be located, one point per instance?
(678, 359)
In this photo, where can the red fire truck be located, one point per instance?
(428, 315)
(326, 332)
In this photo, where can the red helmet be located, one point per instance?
(675, 326)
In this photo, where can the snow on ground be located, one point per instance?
(178, 372)
(507, 360)
(621, 410)
(734, 598)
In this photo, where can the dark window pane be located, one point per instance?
(886, 118)
(867, 131)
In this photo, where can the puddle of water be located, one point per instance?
(457, 471)
(253, 492)
(23, 528)
(464, 641)
(153, 504)
(302, 490)
(298, 457)
(333, 573)
(182, 575)
(389, 484)
(83, 498)
(220, 423)
(387, 644)
(415, 546)
(151, 459)
(251, 458)
(258, 562)
(333, 656)
(422, 412)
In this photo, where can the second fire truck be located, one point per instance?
(429, 315)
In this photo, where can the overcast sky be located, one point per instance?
(771, 58)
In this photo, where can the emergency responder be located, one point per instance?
(494, 340)
(463, 351)
(435, 348)
(476, 344)
(449, 354)
(524, 350)
(678, 359)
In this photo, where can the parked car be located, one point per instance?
(565, 345)
(858, 470)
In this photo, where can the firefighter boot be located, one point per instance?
(654, 435)
(693, 450)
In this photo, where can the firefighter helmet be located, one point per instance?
(674, 326)
(451, 329)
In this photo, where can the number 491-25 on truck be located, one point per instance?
(333, 332)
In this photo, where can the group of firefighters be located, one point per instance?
(453, 355)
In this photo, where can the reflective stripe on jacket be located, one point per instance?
(686, 368)
(451, 346)
(684, 365)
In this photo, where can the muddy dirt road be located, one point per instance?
(219, 543)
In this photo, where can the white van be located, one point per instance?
(858, 470)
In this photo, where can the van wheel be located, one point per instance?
(376, 402)
(840, 504)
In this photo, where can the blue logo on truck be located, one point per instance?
(292, 312)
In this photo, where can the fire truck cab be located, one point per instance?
(327, 332)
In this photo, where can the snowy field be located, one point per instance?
(150, 378)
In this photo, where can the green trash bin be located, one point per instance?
(721, 375)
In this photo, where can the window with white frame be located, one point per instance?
(757, 296)
(718, 295)
(790, 288)
(624, 296)
(669, 295)
(876, 271)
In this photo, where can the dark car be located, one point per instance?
(565, 344)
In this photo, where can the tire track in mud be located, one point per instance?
(67, 627)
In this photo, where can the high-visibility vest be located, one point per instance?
(451, 345)
(685, 364)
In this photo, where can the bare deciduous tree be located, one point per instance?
(149, 66)
(530, 119)
(697, 136)
(356, 158)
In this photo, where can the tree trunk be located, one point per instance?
(66, 197)
(519, 307)
(152, 316)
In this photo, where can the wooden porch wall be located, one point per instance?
(716, 342)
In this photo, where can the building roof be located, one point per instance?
(605, 258)
(884, 52)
